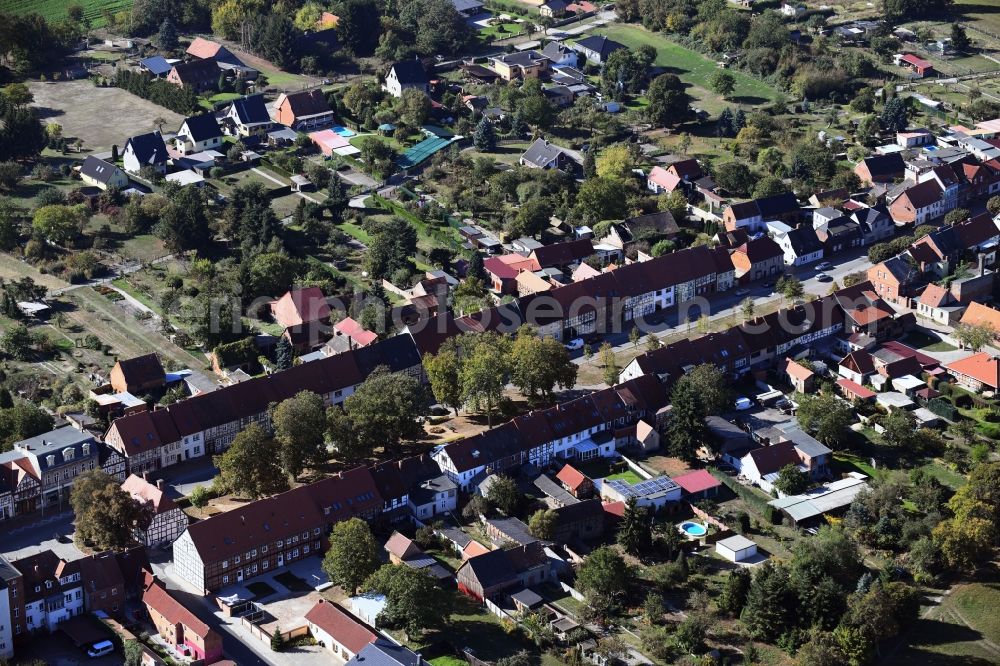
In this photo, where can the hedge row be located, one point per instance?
(756, 502)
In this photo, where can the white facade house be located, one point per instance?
(198, 133)
(6, 628)
(434, 497)
(406, 75)
(736, 548)
(167, 521)
(800, 246)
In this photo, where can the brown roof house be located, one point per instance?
(575, 482)
(758, 259)
(302, 313)
(919, 204)
(978, 314)
(179, 627)
(337, 630)
(880, 169)
(977, 372)
(801, 377)
(200, 75)
(487, 576)
(303, 110)
(138, 375)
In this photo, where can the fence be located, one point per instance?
(637, 468)
(748, 495)
(499, 612)
(572, 591)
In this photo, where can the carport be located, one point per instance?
(85, 630)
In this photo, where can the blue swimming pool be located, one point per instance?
(694, 529)
(343, 131)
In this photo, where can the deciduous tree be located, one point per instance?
(353, 555)
(251, 466)
(105, 515)
(300, 426)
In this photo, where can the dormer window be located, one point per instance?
(68, 454)
(50, 460)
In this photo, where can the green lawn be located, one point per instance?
(978, 603)
(692, 67)
(927, 342)
(54, 10)
(844, 461)
(500, 31)
(447, 661)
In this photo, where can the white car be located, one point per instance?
(574, 344)
(743, 404)
(100, 649)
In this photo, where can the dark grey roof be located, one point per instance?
(158, 65)
(466, 5)
(148, 148)
(251, 110)
(410, 71)
(527, 598)
(804, 241)
(521, 58)
(541, 153)
(98, 169)
(383, 652)
(396, 353)
(777, 205)
(202, 127)
(600, 45)
(556, 50)
(512, 528)
(57, 443)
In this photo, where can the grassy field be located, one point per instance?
(693, 68)
(54, 10)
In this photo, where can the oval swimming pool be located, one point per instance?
(694, 529)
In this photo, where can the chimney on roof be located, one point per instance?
(982, 264)
(159, 484)
(243, 519)
(145, 477)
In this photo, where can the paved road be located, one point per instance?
(724, 305)
(39, 535)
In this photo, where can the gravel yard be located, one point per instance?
(99, 116)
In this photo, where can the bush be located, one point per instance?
(199, 496)
(943, 408)
(963, 401)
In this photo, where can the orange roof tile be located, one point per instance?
(978, 314)
(981, 367)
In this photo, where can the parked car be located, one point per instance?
(743, 404)
(574, 344)
(823, 277)
(100, 649)
(824, 266)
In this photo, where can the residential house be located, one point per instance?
(198, 133)
(267, 534)
(522, 65)
(156, 65)
(99, 173)
(918, 204)
(977, 372)
(348, 334)
(597, 48)
(682, 173)
(505, 531)
(468, 8)
(857, 366)
(179, 627)
(407, 75)
(304, 110)
(165, 522)
(502, 271)
(876, 224)
(839, 235)
(937, 304)
(205, 49)
(405, 552)
(11, 607)
(801, 378)
(698, 484)
(575, 482)
(300, 306)
(579, 522)
(337, 630)
(199, 75)
(553, 9)
(758, 259)
(559, 95)
(761, 466)
(150, 440)
(110, 580)
(544, 155)
(562, 255)
(752, 215)
(385, 652)
(247, 116)
(488, 575)
(20, 489)
(145, 150)
(559, 53)
(654, 493)
(880, 169)
(895, 279)
(801, 246)
(53, 591)
(434, 497)
(977, 314)
(138, 375)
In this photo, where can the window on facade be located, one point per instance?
(264, 564)
(225, 580)
(225, 564)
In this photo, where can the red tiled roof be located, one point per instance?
(772, 458)
(978, 314)
(855, 389)
(342, 627)
(696, 481)
(572, 477)
(981, 367)
(144, 491)
(203, 48)
(355, 331)
(911, 59)
(299, 306)
(797, 370)
(158, 599)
